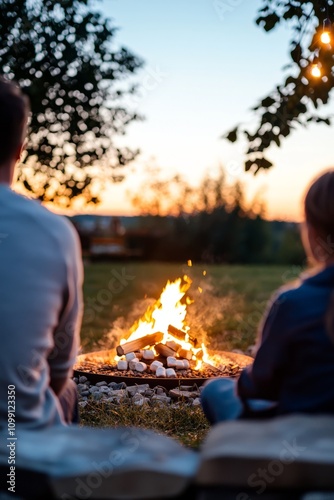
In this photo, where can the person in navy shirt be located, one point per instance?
(294, 364)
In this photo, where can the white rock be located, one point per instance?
(171, 361)
(140, 367)
(179, 364)
(170, 372)
(155, 365)
(160, 372)
(94, 389)
(186, 364)
(105, 389)
(141, 402)
(133, 363)
(197, 402)
(161, 399)
(120, 393)
(130, 356)
(148, 354)
(137, 389)
(122, 365)
(82, 387)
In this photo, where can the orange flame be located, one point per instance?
(169, 310)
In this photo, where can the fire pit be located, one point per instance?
(160, 349)
(100, 365)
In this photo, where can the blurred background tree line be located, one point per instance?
(212, 222)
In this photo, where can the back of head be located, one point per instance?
(319, 205)
(14, 111)
(319, 213)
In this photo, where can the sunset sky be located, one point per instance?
(205, 68)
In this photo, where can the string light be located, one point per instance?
(325, 36)
(316, 71)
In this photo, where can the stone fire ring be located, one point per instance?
(169, 383)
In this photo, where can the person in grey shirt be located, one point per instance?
(40, 291)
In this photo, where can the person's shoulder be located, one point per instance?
(31, 212)
(287, 295)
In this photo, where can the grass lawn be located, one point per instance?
(227, 311)
(185, 423)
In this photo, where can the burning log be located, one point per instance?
(184, 353)
(173, 345)
(181, 335)
(164, 350)
(135, 345)
(199, 355)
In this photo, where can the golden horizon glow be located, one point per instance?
(280, 208)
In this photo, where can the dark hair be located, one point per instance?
(319, 213)
(14, 111)
(319, 204)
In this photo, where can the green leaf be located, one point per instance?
(248, 165)
(232, 136)
(267, 102)
(296, 53)
(270, 21)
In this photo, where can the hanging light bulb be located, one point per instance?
(325, 36)
(316, 68)
(316, 71)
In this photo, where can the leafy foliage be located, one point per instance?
(294, 102)
(62, 55)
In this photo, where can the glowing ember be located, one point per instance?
(167, 318)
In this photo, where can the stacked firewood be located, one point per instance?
(149, 353)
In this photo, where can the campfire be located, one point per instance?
(161, 345)
(160, 342)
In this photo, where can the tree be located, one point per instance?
(295, 101)
(61, 52)
(173, 195)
